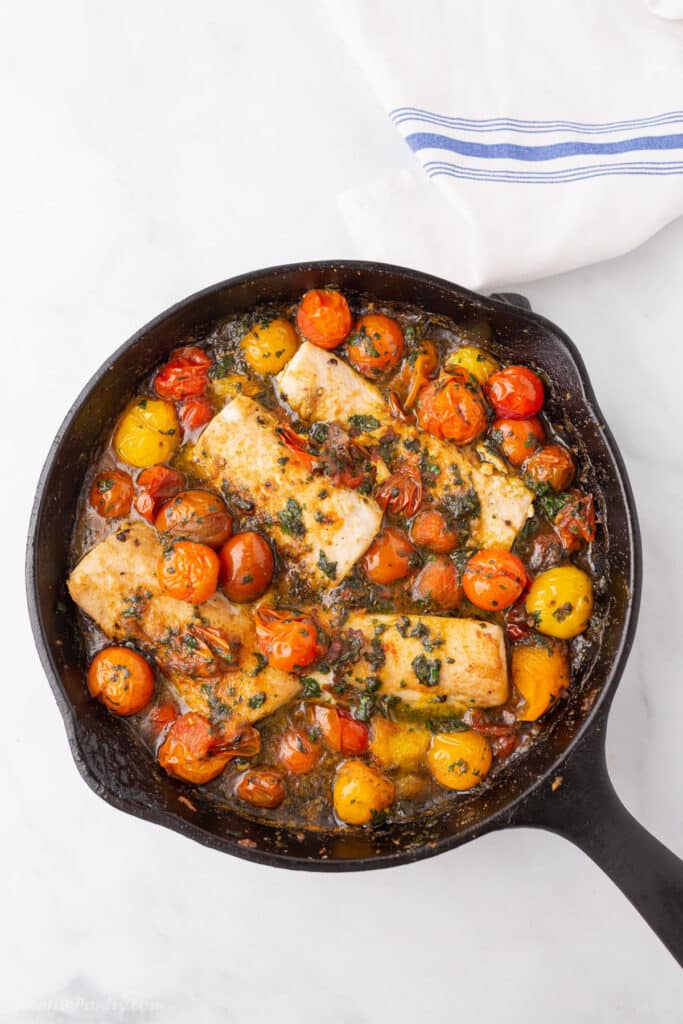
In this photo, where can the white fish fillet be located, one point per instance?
(116, 585)
(319, 385)
(240, 448)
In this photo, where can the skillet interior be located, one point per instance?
(109, 757)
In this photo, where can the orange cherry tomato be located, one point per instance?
(189, 571)
(186, 373)
(121, 679)
(430, 530)
(341, 732)
(192, 750)
(517, 439)
(194, 413)
(290, 640)
(111, 494)
(390, 556)
(298, 752)
(401, 493)
(247, 566)
(452, 407)
(195, 515)
(155, 485)
(376, 345)
(438, 583)
(261, 787)
(516, 393)
(575, 521)
(324, 317)
(494, 579)
(553, 464)
(162, 716)
(425, 364)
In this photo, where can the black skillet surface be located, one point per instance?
(561, 784)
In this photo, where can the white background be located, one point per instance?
(150, 149)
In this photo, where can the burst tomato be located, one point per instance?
(401, 493)
(376, 345)
(452, 407)
(575, 521)
(197, 751)
(155, 485)
(324, 317)
(553, 464)
(290, 640)
(261, 787)
(341, 732)
(430, 530)
(195, 515)
(185, 374)
(518, 439)
(298, 752)
(194, 413)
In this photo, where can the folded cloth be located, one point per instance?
(549, 135)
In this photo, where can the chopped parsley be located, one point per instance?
(257, 701)
(311, 686)
(326, 566)
(363, 424)
(290, 519)
(427, 669)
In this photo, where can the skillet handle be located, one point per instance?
(585, 809)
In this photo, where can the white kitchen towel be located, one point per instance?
(547, 134)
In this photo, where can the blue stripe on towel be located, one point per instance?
(554, 151)
(633, 168)
(514, 124)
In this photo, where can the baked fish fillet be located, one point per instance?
(195, 646)
(323, 528)
(430, 661)
(319, 385)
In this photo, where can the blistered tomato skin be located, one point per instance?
(459, 760)
(324, 317)
(361, 793)
(154, 486)
(430, 530)
(552, 465)
(121, 679)
(185, 374)
(195, 515)
(269, 345)
(111, 494)
(194, 413)
(561, 601)
(494, 579)
(452, 407)
(341, 732)
(147, 433)
(516, 393)
(290, 640)
(261, 787)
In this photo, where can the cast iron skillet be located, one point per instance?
(561, 785)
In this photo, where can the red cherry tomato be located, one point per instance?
(155, 486)
(194, 413)
(341, 732)
(186, 373)
(298, 752)
(111, 494)
(247, 566)
(516, 393)
(324, 317)
(494, 579)
(438, 583)
(376, 345)
(518, 439)
(390, 557)
(290, 640)
(575, 521)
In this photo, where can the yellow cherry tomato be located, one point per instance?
(477, 362)
(147, 433)
(270, 345)
(540, 671)
(361, 792)
(561, 600)
(459, 760)
(224, 389)
(398, 746)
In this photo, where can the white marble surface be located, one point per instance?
(149, 149)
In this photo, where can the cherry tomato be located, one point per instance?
(390, 556)
(452, 407)
(121, 679)
(424, 365)
(194, 413)
(517, 439)
(189, 571)
(438, 583)
(401, 493)
(516, 393)
(155, 485)
(575, 521)
(186, 373)
(360, 792)
(376, 345)
(111, 494)
(298, 752)
(162, 716)
(247, 566)
(189, 750)
(195, 515)
(324, 317)
(430, 530)
(289, 639)
(494, 579)
(553, 464)
(261, 787)
(341, 732)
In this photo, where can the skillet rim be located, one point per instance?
(500, 818)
